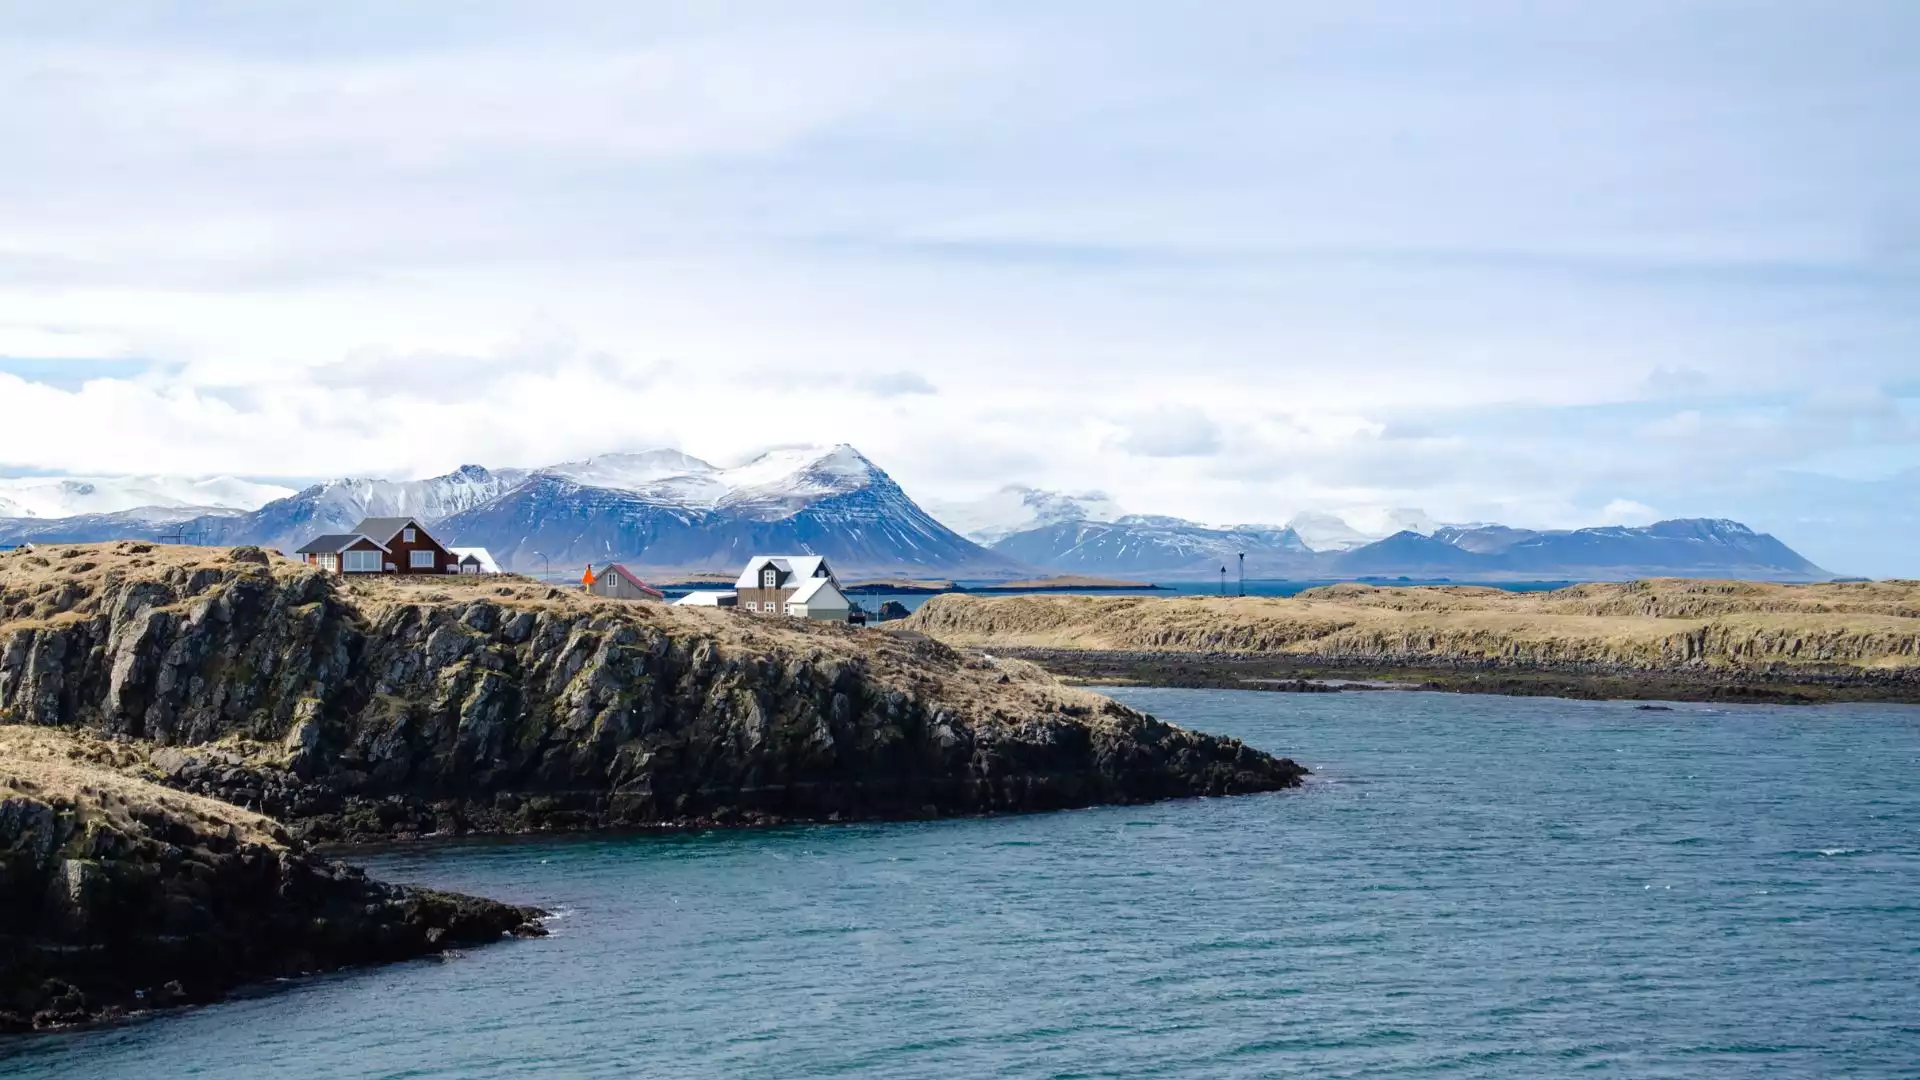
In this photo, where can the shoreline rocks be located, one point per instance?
(384, 708)
(118, 896)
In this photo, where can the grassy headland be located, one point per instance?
(1658, 638)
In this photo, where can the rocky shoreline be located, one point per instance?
(1595, 682)
(1677, 639)
(333, 711)
(120, 896)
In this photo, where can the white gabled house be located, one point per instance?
(802, 586)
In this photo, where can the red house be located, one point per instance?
(391, 545)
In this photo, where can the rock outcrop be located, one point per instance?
(119, 895)
(407, 706)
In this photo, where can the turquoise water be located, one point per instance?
(1470, 887)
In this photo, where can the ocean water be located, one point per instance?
(1469, 887)
(1261, 587)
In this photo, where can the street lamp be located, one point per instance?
(1223, 581)
(1243, 573)
(548, 575)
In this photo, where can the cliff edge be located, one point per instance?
(374, 708)
(119, 895)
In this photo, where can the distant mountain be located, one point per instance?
(1683, 547)
(834, 503)
(186, 523)
(1405, 554)
(658, 510)
(70, 496)
(1018, 508)
(1143, 545)
(1322, 531)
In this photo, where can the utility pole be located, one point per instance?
(1243, 573)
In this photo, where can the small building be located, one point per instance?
(394, 545)
(802, 586)
(618, 582)
(475, 560)
(707, 598)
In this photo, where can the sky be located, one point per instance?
(1547, 263)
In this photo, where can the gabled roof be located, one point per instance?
(707, 598)
(335, 543)
(793, 566)
(817, 589)
(616, 568)
(385, 529)
(476, 554)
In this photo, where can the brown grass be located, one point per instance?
(72, 582)
(1643, 624)
(96, 778)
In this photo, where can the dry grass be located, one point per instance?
(96, 779)
(1645, 624)
(71, 582)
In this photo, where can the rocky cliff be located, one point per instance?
(407, 706)
(119, 895)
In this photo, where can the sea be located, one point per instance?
(1467, 887)
(1225, 587)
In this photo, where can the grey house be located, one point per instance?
(619, 583)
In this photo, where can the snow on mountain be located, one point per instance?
(667, 477)
(1017, 508)
(71, 496)
(1358, 526)
(688, 515)
(1152, 544)
(1322, 531)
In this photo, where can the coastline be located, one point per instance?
(1332, 674)
(1647, 640)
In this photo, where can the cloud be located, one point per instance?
(1393, 262)
(895, 384)
(1171, 431)
(1627, 512)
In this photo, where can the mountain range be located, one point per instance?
(1173, 549)
(666, 511)
(658, 510)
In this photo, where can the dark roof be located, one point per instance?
(470, 558)
(333, 543)
(385, 529)
(616, 568)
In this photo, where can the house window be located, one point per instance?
(330, 562)
(769, 578)
(410, 540)
(423, 559)
(361, 562)
(789, 609)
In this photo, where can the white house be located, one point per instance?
(802, 586)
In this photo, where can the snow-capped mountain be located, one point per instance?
(70, 496)
(1017, 508)
(1145, 544)
(1173, 549)
(337, 505)
(691, 516)
(658, 509)
(1323, 531)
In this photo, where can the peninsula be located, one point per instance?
(306, 707)
(1665, 638)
